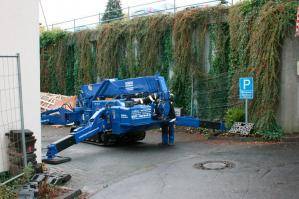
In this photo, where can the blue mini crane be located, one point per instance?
(120, 109)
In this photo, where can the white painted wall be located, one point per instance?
(20, 34)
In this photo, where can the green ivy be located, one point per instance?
(247, 43)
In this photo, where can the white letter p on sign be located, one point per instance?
(246, 83)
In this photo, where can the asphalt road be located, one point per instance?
(147, 170)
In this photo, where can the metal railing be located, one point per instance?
(130, 12)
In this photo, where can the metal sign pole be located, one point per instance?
(246, 111)
(21, 111)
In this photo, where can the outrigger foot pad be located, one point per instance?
(57, 160)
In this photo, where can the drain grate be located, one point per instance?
(213, 165)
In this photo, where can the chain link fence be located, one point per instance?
(213, 95)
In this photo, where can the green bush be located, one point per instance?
(234, 115)
(51, 37)
(274, 134)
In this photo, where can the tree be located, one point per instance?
(113, 10)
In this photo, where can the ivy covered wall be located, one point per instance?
(242, 40)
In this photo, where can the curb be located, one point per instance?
(236, 138)
(287, 138)
(290, 138)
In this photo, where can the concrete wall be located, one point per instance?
(289, 99)
(20, 34)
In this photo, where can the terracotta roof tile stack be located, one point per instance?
(49, 101)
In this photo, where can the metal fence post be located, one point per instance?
(21, 111)
(174, 6)
(99, 18)
(192, 93)
(128, 12)
(74, 25)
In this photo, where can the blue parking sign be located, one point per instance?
(246, 88)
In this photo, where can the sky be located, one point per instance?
(62, 10)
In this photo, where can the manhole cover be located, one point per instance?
(213, 165)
